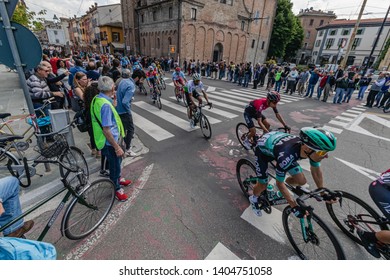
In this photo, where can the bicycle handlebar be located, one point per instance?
(320, 194)
(71, 124)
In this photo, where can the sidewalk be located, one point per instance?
(11, 101)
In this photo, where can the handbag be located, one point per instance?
(81, 121)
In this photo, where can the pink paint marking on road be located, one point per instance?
(112, 219)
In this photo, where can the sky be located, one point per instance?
(348, 9)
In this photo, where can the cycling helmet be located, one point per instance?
(150, 68)
(178, 69)
(154, 65)
(136, 63)
(196, 77)
(318, 139)
(273, 96)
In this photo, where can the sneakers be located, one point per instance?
(247, 144)
(192, 123)
(255, 205)
(104, 173)
(22, 230)
(124, 182)
(120, 195)
(370, 246)
(130, 153)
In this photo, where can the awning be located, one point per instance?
(117, 45)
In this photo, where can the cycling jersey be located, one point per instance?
(379, 191)
(283, 148)
(176, 76)
(151, 74)
(137, 67)
(255, 111)
(260, 105)
(191, 87)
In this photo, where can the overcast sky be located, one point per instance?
(343, 9)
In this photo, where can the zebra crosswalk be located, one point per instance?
(172, 118)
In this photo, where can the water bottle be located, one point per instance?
(270, 192)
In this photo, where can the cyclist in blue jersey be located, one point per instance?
(286, 150)
(178, 78)
(136, 66)
(380, 193)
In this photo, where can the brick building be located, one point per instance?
(232, 30)
(310, 20)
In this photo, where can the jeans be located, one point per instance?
(327, 89)
(378, 98)
(371, 97)
(9, 192)
(246, 80)
(128, 125)
(221, 74)
(348, 94)
(278, 84)
(310, 90)
(362, 90)
(339, 95)
(114, 165)
(319, 92)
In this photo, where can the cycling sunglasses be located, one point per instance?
(321, 153)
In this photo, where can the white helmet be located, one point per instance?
(196, 77)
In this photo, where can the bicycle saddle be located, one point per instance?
(9, 137)
(4, 115)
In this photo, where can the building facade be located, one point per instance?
(311, 20)
(333, 39)
(230, 30)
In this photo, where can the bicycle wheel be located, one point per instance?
(84, 215)
(386, 109)
(143, 89)
(354, 213)
(177, 95)
(74, 160)
(164, 85)
(242, 132)
(7, 161)
(246, 176)
(205, 126)
(158, 101)
(319, 244)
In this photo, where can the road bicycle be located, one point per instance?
(6, 120)
(162, 82)
(156, 96)
(142, 89)
(242, 132)
(386, 108)
(51, 147)
(89, 206)
(353, 214)
(180, 95)
(310, 237)
(199, 117)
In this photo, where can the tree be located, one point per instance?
(296, 41)
(27, 18)
(281, 33)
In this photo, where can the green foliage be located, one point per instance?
(27, 18)
(270, 61)
(382, 54)
(286, 30)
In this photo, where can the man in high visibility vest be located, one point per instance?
(108, 130)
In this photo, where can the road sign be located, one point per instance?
(172, 48)
(30, 49)
(10, 5)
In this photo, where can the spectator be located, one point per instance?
(314, 77)
(77, 68)
(375, 88)
(125, 95)
(341, 87)
(278, 79)
(56, 86)
(92, 72)
(107, 130)
(10, 208)
(271, 79)
(115, 73)
(302, 79)
(263, 73)
(383, 90)
(330, 82)
(80, 83)
(291, 80)
(351, 87)
(322, 84)
(363, 83)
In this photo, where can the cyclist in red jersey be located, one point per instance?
(151, 77)
(255, 111)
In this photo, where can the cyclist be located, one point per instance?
(151, 77)
(178, 79)
(380, 193)
(286, 150)
(136, 66)
(191, 91)
(255, 111)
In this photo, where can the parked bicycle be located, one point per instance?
(199, 117)
(89, 206)
(354, 214)
(310, 237)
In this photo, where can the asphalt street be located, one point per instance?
(185, 202)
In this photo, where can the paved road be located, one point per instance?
(185, 201)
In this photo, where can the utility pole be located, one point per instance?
(352, 39)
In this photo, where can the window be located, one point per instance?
(262, 45)
(318, 42)
(229, 2)
(242, 25)
(55, 32)
(308, 35)
(345, 32)
(169, 41)
(158, 43)
(57, 41)
(253, 43)
(342, 44)
(315, 53)
(333, 32)
(170, 12)
(356, 43)
(329, 43)
(104, 35)
(144, 42)
(115, 36)
(142, 18)
(360, 31)
(154, 15)
(321, 33)
(193, 13)
(321, 22)
(311, 22)
(305, 46)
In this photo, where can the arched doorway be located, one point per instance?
(218, 51)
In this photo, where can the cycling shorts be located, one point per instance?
(380, 194)
(250, 114)
(195, 94)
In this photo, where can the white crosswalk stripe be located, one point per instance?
(264, 94)
(253, 96)
(150, 128)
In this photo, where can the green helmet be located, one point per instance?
(318, 139)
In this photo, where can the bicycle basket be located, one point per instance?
(52, 146)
